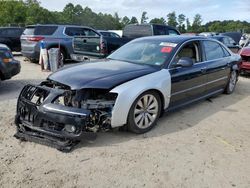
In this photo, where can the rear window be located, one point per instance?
(133, 31)
(40, 30)
(5, 54)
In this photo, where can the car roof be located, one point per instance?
(67, 25)
(173, 39)
(11, 28)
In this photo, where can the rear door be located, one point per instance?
(218, 65)
(88, 43)
(187, 82)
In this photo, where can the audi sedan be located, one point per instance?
(131, 89)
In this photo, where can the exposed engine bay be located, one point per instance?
(53, 113)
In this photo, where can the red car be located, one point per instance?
(245, 55)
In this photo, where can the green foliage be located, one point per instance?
(134, 20)
(27, 12)
(144, 18)
(181, 25)
(158, 21)
(172, 20)
(197, 23)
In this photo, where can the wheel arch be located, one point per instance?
(161, 98)
(128, 92)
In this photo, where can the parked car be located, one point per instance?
(236, 36)
(131, 88)
(10, 36)
(243, 40)
(53, 37)
(245, 55)
(108, 33)
(228, 41)
(9, 67)
(101, 46)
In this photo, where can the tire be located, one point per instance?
(231, 82)
(144, 112)
(63, 55)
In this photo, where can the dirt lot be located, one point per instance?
(204, 145)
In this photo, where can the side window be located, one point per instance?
(231, 41)
(172, 32)
(160, 30)
(190, 50)
(13, 32)
(226, 52)
(75, 31)
(4, 32)
(226, 41)
(114, 35)
(213, 50)
(90, 33)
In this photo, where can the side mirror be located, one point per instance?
(185, 62)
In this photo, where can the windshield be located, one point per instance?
(144, 52)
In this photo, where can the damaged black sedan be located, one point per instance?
(131, 88)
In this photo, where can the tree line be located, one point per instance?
(27, 12)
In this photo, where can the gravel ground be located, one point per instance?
(203, 145)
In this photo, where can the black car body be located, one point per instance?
(165, 72)
(101, 46)
(10, 36)
(9, 67)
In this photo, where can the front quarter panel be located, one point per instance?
(129, 91)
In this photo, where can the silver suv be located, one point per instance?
(53, 36)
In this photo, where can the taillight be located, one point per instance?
(35, 39)
(7, 60)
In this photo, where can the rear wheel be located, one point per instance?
(231, 82)
(144, 112)
(63, 55)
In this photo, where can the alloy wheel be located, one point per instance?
(146, 111)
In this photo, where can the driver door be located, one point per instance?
(188, 83)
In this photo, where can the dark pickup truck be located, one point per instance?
(100, 46)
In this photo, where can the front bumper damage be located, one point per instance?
(40, 120)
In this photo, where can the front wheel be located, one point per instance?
(144, 112)
(231, 83)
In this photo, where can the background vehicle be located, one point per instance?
(8, 66)
(53, 36)
(228, 41)
(236, 36)
(108, 33)
(245, 55)
(100, 46)
(243, 40)
(161, 74)
(10, 36)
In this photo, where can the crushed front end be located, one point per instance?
(54, 115)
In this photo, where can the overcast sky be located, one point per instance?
(209, 9)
